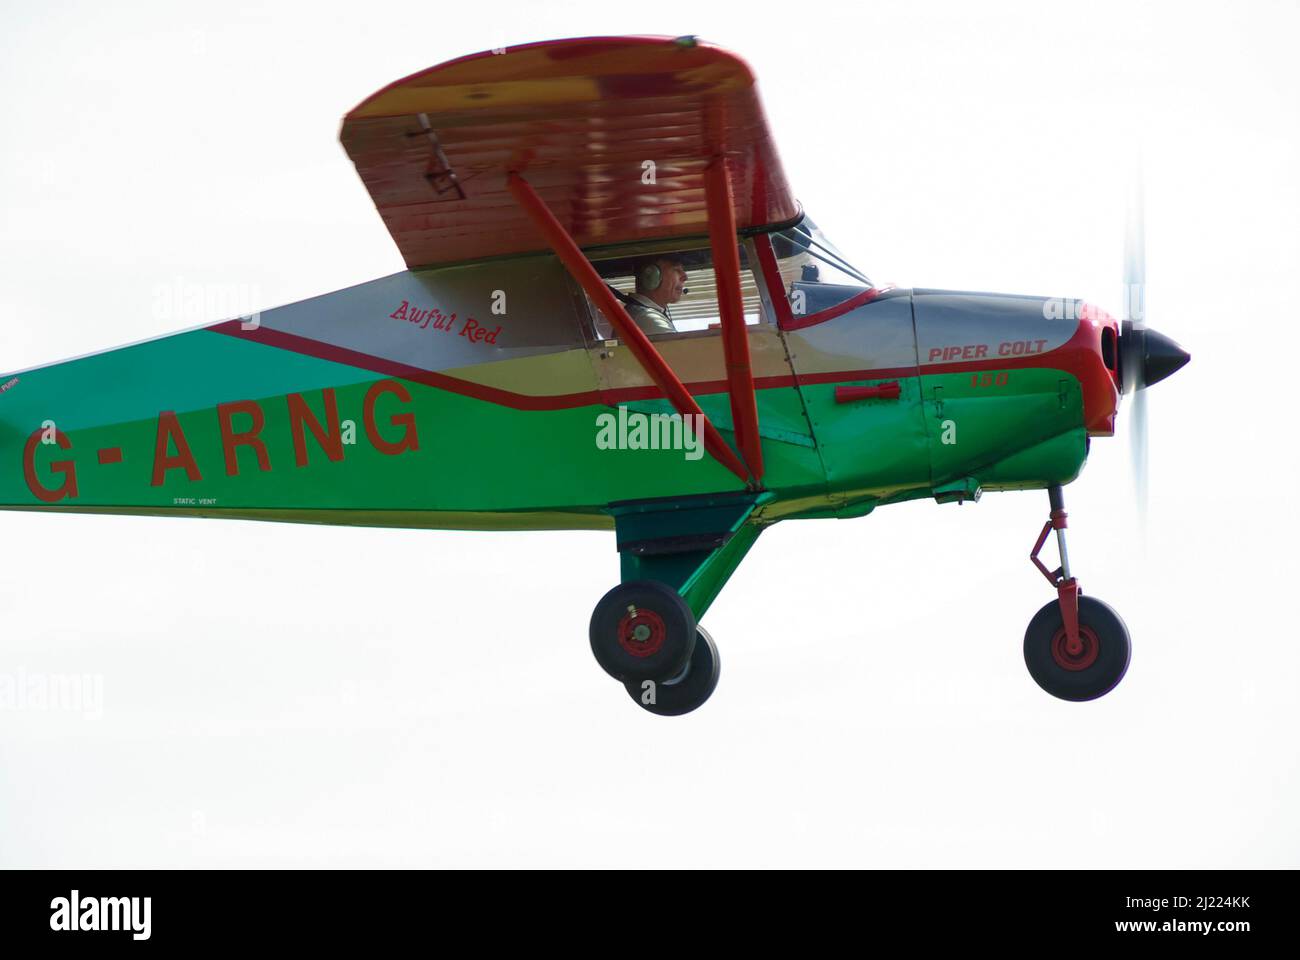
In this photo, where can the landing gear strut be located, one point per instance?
(1076, 647)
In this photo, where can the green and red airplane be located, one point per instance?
(500, 383)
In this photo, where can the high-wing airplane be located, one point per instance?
(547, 198)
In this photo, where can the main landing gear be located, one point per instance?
(1076, 647)
(644, 635)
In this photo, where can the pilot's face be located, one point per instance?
(673, 284)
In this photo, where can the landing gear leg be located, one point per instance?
(1067, 587)
(1076, 647)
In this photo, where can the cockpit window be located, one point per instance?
(694, 310)
(814, 274)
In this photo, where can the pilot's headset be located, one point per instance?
(649, 276)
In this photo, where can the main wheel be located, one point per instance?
(1092, 672)
(642, 630)
(686, 691)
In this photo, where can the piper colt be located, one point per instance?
(530, 190)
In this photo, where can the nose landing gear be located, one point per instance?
(1076, 647)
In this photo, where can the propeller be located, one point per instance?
(1146, 356)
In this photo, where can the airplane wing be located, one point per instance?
(583, 120)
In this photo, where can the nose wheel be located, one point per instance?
(1076, 647)
(1083, 671)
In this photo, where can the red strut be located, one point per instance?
(735, 338)
(650, 359)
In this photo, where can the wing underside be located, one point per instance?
(615, 135)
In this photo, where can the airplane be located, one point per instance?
(540, 195)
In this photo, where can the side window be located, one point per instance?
(677, 304)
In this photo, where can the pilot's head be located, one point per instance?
(662, 279)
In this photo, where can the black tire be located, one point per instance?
(642, 630)
(685, 692)
(1094, 672)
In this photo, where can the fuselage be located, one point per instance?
(473, 397)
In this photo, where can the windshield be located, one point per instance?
(814, 274)
(805, 244)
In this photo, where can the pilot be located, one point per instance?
(659, 282)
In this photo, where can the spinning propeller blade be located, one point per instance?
(1146, 357)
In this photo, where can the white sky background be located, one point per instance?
(282, 695)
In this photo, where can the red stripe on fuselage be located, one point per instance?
(1080, 356)
(830, 313)
(393, 368)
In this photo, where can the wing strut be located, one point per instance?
(650, 359)
(735, 338)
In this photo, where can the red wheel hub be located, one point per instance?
(641, 633)
(1085, 657)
